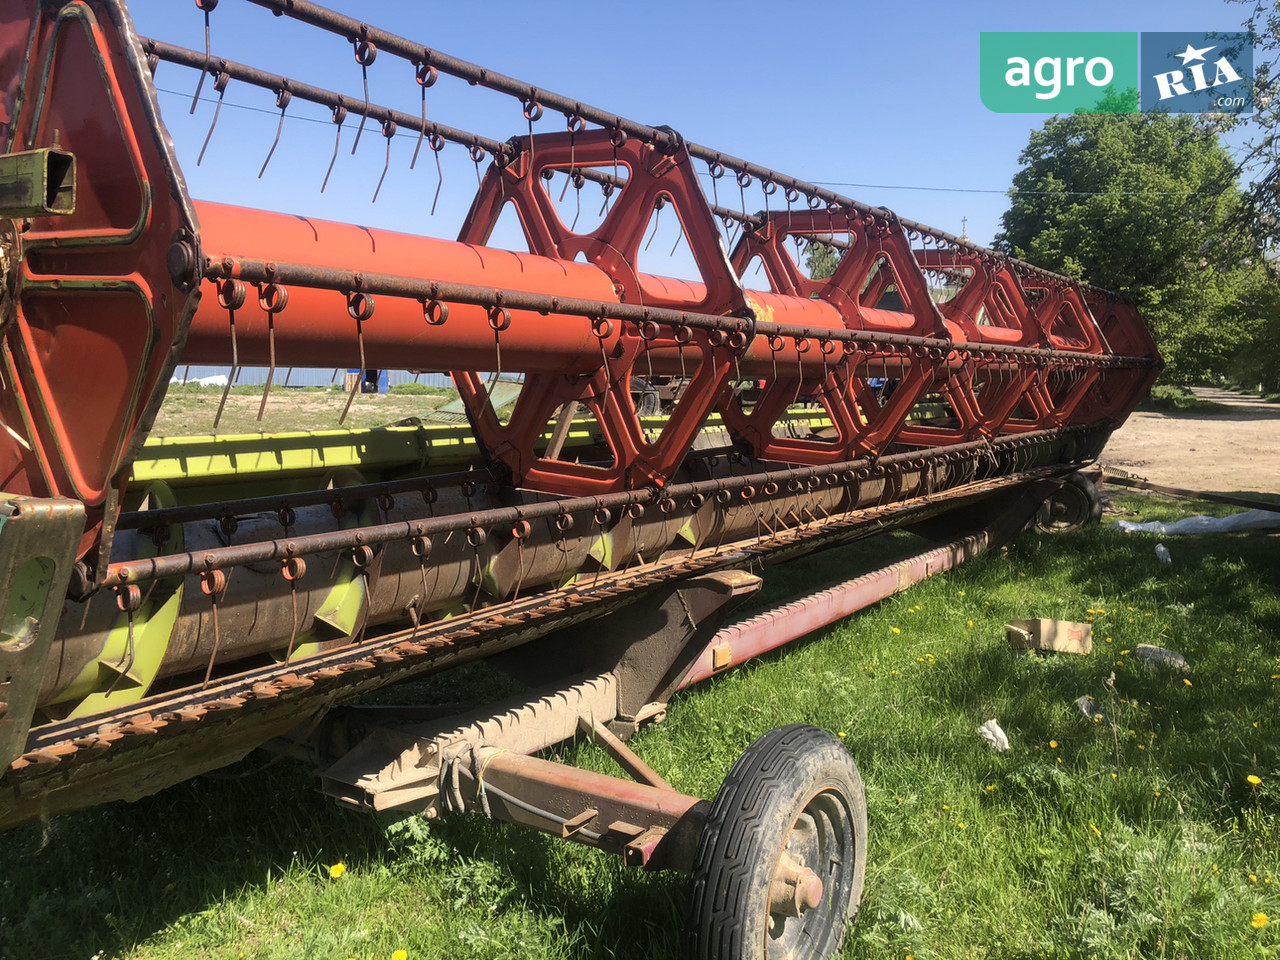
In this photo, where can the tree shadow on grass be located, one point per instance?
(98, 882)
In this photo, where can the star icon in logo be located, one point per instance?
(1191, 53)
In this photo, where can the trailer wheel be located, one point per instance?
(779, 867)
(1075, 504)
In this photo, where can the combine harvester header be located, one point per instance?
(172, 603)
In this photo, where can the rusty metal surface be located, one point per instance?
(648, 826)
(769, 629)
(133, 751)
(739, 642)
(746, 487)
(842, 407)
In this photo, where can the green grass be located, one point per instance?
(189, 409)
(1139, 840)
(1165, 397)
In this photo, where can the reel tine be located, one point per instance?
(339, 117)
(282, 101)
(220, 84)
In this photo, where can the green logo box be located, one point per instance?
(1059, 72)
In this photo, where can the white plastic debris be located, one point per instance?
(1162, 553)
(1160, 657)
(218, 380)
(1248, 520)
(1092, 709)
(992, 733)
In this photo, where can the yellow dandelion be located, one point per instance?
(1091, 611)
(1186, 681)
(337, 870)
(1253, 878)
(1260, 920)
(945, 807)
(971, 624)
(1141, 746)
(1124, 653)
(1053, 744)
(1059, 759)
(896, 630)
(1095, 829)
(962, 593)
(1115, 776)
(1254, 779)
(990, 787)
(842, 734)
(1158, 794)
(962, 825)
(1214, 868)
(1108, 639)
(400, 955)
(899, 799)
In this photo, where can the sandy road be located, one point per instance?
(1236, 450)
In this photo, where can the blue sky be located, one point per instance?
(879, 101)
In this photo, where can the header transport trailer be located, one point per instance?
(636, 451)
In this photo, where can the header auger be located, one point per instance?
(638, 448)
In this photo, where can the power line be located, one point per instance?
(1009, 191)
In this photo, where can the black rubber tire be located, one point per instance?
(645, 398)
(1076, 504)
(791, 774)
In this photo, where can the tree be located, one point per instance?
(1259, 161)
(1139, 203)
(821, 259)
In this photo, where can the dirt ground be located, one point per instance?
(1233, 451)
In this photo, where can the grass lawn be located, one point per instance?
(1152, 833)
(191, 409)
(1169, 398)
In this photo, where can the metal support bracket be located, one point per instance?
(648, 648)
(38, 540)
(37, 183)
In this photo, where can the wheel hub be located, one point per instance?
(795, 887)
